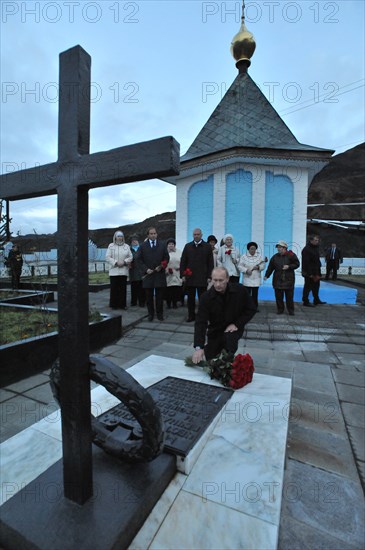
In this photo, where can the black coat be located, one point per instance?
(283, 279)
(217, 311)
(15, 260)
(199, 259)
(311, 263)
(135, 271)
(149, 258)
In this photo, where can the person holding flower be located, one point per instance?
(153, 258)
(251, 264)
(228, 257)
(224, 310)
(195, 269)
(283, 264)
(173, 280)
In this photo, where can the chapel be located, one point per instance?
(246, 173)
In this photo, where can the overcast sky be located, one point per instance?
(160, 68)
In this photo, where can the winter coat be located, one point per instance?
(216, 311)
(199, 259)
(118, 253)
(311, 263)
(150, 258)
(15, 260)
(248, 261)
(135, 271)
(229, 258)
(283, 279)
(173, 279)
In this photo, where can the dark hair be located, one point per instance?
(252, 243)
(170, 240)
(212, 238)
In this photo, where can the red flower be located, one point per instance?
(164, 264)
(289, 253)
(229, 252)
(170, 270)
(233, 372)
(187, 272)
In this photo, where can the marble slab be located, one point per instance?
(235, 472)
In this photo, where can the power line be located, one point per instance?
(289, 112)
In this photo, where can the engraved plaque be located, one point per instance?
(187, 409)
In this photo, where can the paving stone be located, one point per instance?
(325, 502)
(350, 358)
(311, 395)
(361, 467)
(357, 438)
(322, 384)
(123, 354)
(326, 417)
(354, 414)
(5, 395)
(313, 369)
(322, 449)
(346, 348)
(28, 383)
(349, 376)
(295, 535)
(320, 357)
(351, 394)
(313, 346)
(17, 414)
(285, 347)
(42, 393)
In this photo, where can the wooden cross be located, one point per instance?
(75, 172)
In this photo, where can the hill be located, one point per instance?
(339, 188)
(336, 193)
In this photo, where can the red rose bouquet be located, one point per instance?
(231, 371)
(187, 272)
(228, 252)
(164, 264)
(170, 270)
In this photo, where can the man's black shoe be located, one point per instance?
(320, 303)
(190, 319)
(160, 317)
(150, 318)
(307, 304)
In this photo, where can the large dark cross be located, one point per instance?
(71, 177)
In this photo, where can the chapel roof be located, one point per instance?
(245, 118)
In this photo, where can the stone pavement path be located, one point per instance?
(322, 350)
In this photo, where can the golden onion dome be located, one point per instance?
(243, 46)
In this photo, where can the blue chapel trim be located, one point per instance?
(200, 207)
(279, 204)
(239, 207)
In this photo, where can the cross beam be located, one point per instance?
(75, 172)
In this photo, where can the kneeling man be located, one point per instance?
(223, 313)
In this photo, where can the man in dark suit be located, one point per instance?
(153, 258)
(196, 267)
(222, 315)
(333, 260)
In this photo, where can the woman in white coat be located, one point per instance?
(173, 280)
(118, 256)
(228, 257)
(251, 264)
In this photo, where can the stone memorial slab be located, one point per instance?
(187, 409)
